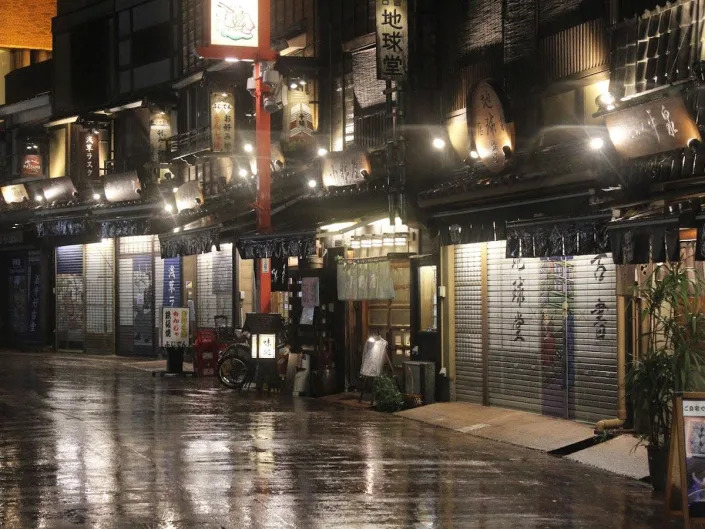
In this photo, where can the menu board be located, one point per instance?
(175, 327)
(685, 484)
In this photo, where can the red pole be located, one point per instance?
(264, 205)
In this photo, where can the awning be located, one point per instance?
(558, 237)
(109, 229)
(646, 240)
(190, 242)
(62, 228)
(277, 245)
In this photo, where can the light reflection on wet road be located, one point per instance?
(94, 443)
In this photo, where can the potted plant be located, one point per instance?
(674, 317)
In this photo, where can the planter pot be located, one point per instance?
(658, 467)
(324, 382)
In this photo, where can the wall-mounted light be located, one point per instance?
(312, 183)
(96, 196)
(177, 230)
(322, 151)
(597, 143)
(168, 208)
(232, 59)
(438, 143)
(248, 147)
(38, 198)
(474, 155)
(293, 86)
(605, 101)
(243, 173)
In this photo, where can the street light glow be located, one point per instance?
(439, 143)
(596, 144)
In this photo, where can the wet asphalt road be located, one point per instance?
(96, 443)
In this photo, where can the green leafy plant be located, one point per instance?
(673, 301)
(387, 395)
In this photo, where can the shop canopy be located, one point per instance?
(277, 245)
(654, 239)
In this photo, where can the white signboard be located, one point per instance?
(264, 346)
(235, 23)
(175, 327)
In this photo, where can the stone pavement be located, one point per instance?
(86, 442)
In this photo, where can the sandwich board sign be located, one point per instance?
(685, 483)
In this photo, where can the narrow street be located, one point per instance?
(88, 442)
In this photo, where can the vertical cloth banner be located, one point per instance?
(280, 274)
(172, 282)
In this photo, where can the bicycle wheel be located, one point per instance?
(232, 371)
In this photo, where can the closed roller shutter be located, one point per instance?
(136, 295)
(100, 302)
(69, 298)
(214, 286)
(552, 332)
(468, 323)
(594, 306)
(515, 359)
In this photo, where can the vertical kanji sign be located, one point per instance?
(175, 327)
(392, 40)
(222, 121)
(90, 143)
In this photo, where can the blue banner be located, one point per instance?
(172, 282)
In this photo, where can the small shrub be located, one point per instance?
(387, 395)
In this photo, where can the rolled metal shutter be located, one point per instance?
(214, 289)
(69, 298)
(514, 300)
(468, 323)
(594, 306)
(136, 294)
(100, 297)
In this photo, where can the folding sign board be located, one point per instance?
(685, 484)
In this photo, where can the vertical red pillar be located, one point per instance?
(264, 174)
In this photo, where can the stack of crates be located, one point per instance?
(205, 353)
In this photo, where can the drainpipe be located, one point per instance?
(618, 422)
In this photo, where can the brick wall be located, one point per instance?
(26, 23)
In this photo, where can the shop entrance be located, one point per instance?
(550, 341)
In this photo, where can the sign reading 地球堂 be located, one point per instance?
(175, 327)
(392, 40)
(235, 23)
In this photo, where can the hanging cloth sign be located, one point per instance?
(280, 274)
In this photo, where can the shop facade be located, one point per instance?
(536, 334)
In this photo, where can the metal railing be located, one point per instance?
(191, 142)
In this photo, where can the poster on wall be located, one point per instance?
(222, 121)
(35, 293)
(31, 165)
(309, 292)
(175, 327)
(234, 23)
(392, 39)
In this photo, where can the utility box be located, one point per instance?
(420, 379)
